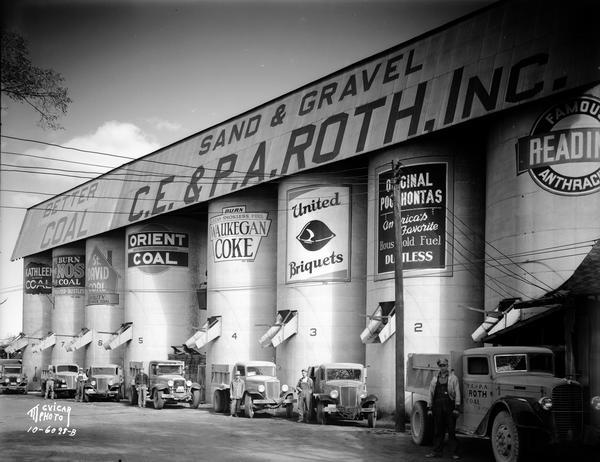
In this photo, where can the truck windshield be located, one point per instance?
(12, 370)
(260, 370)
(343, 374)
(169, 369)
(104, 371)
(67, 369)
(532, 362)
(541, 362)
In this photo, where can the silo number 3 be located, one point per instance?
(313, 332)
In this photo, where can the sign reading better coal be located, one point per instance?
(423, 196)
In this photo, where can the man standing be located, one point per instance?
(141, 383)
(236, 392)
(444, 399)
(305, 391)
(80, 385)
(49, 385)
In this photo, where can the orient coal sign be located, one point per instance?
(318, 234)
(38, 278)
(562, 152)
(154, 250)
(236, 234)
(424, 198)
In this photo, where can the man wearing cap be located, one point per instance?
(444, 403)
(305, 390)
(236, 393)
(80, 385)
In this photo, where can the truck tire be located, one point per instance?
(321, 415)
(248, 407)
(421, 425)
(218, 401)
(159, 402)
(289, 410)
(133, 397)
(372, 417)
(505, 439)
(195, 399)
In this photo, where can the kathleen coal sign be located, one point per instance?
(424, 198)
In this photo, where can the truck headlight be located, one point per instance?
(334, 394)
(595, 402)
(261, 388)
(93, 383)
(170, 383)
(284, 388)
(546, 403)
(363, 395)
(189, 383)
(6, 380)
(110, 382)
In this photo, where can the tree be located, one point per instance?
(40, 88)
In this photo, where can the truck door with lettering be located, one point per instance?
(477, 392)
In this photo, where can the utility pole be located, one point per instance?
(399, 294)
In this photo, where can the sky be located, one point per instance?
(143, 74)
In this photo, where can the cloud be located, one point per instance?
(163, 125)
(114, 144)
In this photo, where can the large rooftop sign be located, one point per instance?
(503, 56)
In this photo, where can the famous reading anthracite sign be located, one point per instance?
(501, 57)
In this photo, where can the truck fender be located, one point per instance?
(195, 386)
(521, 411)
(321, 397)
(160, 387)
(370, 399)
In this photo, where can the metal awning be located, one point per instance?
(207, 333)
(17, 344)
(374, 326)
(388, 330)
(583, 282)
(45, 343)
(288, 328)
(123, 335)
(84, 337)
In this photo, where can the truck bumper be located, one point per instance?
(13, 388)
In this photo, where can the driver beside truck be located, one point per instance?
(444, 402)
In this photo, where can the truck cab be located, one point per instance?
(509, 394)
(103, 381)
(166, 384)
(340, 392)
(12, 377)
(65, 378)
(263, 390)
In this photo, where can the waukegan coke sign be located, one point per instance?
(423, 195)
(484, 63)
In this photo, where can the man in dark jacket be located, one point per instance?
(444, 403)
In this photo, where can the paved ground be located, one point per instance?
(108, 431)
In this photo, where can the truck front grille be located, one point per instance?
(102, 385)
(348, 396)
(272, 390)
(567, 411)
(178, 383)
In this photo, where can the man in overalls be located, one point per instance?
(444, 399)
(305, 390)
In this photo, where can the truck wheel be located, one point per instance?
(248, 409)
(321, 416)
(289, 410)
(218, 402)
(372, 417)
(133, 397)
(118, 396)
(420, 424)
(159, 402)
(195, 399)
(505, 438)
